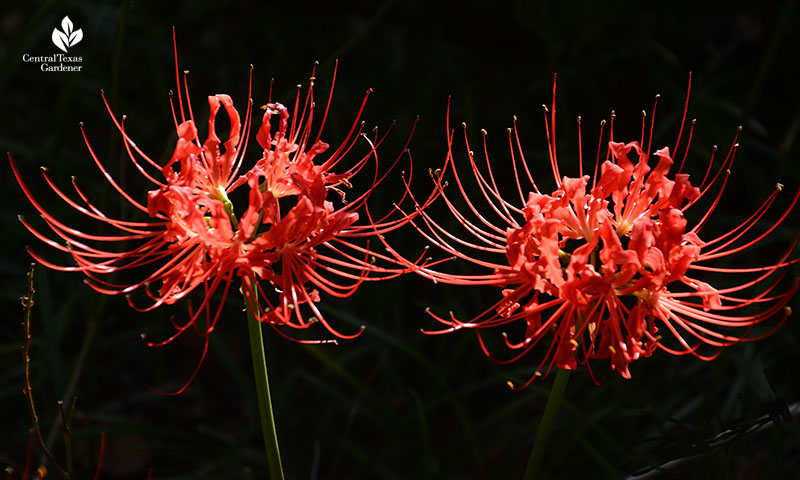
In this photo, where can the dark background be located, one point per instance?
(394, 403)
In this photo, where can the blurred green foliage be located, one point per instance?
(393, 403)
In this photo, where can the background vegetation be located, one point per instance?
(394, 403)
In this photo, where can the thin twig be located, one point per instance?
(27, 305)
(763, 423)
(65, 420)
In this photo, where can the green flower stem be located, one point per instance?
(264, 399)
(546, 424)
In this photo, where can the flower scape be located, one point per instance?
(607, 266)
(299, 235)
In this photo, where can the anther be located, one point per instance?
(464, 124)
(81, 124)
(574, 342)
(579, 119)
(186, 72)
(510, 384)
(483, 130)
(779, 186)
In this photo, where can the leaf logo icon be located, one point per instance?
(66, 37)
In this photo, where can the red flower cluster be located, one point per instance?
(606, 270)
(290, 236)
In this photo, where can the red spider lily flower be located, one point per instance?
(291, 236)
(609, 268)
